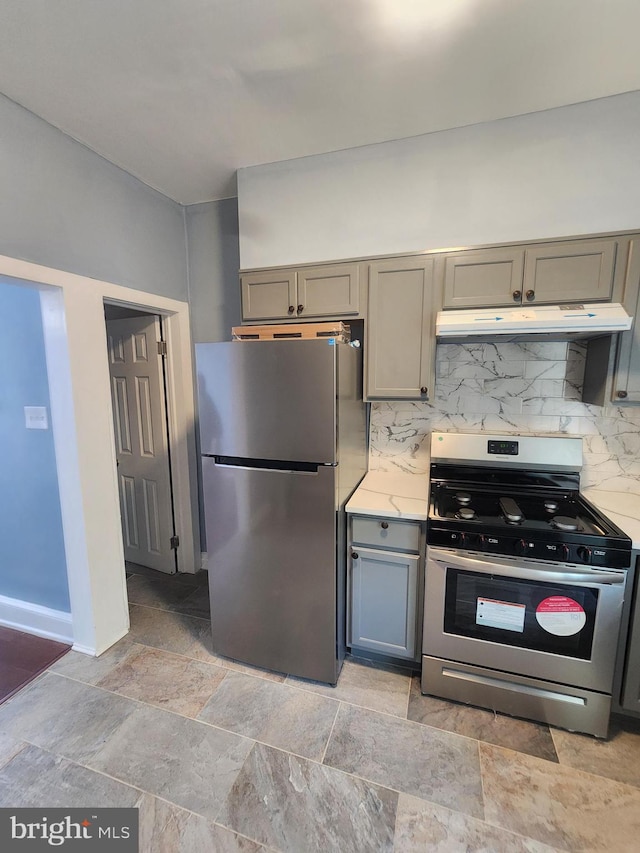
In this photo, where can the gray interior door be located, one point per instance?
(142, 452)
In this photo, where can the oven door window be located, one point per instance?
(545, 617)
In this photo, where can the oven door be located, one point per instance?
(543, 620)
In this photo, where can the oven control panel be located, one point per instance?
(516, 546)
(503, 448)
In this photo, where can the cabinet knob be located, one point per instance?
(530, 294)
(517, 295)
(291, 309)
(424, 389)
(354, 556)
(300, 309)
(384, 524)
(622, 394)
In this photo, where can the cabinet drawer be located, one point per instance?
(399, 535)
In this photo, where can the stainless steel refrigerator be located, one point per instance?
(283, 442)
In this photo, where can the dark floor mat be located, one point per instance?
(23, 657)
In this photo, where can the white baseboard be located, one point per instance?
(35, 619)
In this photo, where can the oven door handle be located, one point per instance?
(515, 571)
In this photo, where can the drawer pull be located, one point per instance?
(354, 556)
(384, 525)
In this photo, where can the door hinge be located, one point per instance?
(162, 347)
(175, 542)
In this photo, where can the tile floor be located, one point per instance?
(223, 757)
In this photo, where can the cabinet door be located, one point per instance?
(626, 380)
(401, 338)
(576, 271)
(384, 587)
(484, 278)
(328, 291)
(268, 295)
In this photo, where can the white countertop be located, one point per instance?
(392, 494)
(622, 508)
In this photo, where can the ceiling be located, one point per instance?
(181, 93)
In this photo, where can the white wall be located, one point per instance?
(571, 170)
(65, 207)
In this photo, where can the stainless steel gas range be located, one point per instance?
(525, 581)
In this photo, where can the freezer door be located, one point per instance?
(271, 544)
(268, 399)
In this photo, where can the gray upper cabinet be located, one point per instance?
(484, 278)
(626, 377)
(329, 290)
(544, 273)
(332, 290)
(576, 271)
(612, 371)
(400, 340)
(268, 295)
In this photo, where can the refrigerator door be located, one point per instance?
(271, 540)
(268, 399)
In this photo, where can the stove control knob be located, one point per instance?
(563, 552)
(523, 547)
(584, 554)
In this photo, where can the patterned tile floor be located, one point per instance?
(224, 757)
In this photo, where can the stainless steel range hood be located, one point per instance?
(557, 321)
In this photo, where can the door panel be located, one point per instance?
(581, 270)
(271, 541)
(383, 601)
(137, 391)
(328, 291)
(483, 278)
(268, 295)
(401, 334)
(268, 399)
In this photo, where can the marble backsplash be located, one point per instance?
(530, 388)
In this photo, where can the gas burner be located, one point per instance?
(561, 522)
(466, 513)
(511, 512)
(463, 498)
(551, 506)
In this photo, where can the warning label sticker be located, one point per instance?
(561, 615)
(500, 614)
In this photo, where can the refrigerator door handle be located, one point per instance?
(273, 470)
(284, 466)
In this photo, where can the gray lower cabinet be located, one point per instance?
(400, 338)
(385, 604)
(329, 290)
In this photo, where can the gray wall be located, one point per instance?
(32, 555)
(65, 207)
(571, 170)
(214, 290)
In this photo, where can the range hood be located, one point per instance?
(559, 321)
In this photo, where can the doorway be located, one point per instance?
(75, 344)
(137, 350)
